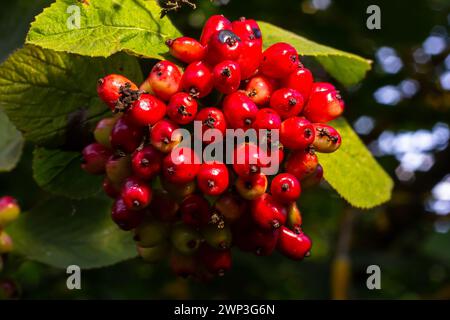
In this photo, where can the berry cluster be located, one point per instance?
(197, 211)
(9, 211)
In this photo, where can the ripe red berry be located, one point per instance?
(212, 25)
(267, 119)
(108, 88)
(294, 245)
(279, 60)
(300, 80)
(285, 188)
(103, 130)
(147, 162)
(125, 218)
(195, 211)
(179, 191)
(251, 188)
(287, 102)
(324, 106)
(322, 87)
(301, 163)
(268, 213)
(239, 110)
(260, 242)
(296, 133)
(163, 207)
(182, 108)
(227, 76)
(136, 194)
(247, 30)
(247, 160)
(110, 189)
(230, 206)
(223, 45)
(313, 179)
(181, 166)
(218, 262)
(126, 136)
(94, 158)
(212, 118)
(147, 110)
(213, 178)
(197, 80)
(186, 49)
(327, 139)
(250, 58)
(164, 80)
(259, 89)
(163, 136)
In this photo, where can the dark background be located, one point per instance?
(401, 110)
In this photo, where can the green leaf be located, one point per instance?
(436, 246)
(62, 232)
(51, 97)
(11, 144)
(106, 27)
(353, 171)
(59, 172)
(346, 67)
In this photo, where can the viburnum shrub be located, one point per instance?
(268, 91)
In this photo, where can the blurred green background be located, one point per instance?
(401, 110)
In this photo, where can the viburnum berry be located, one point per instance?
(103, 130)
(125, 218)
(212, 25)
(247, 160)
(212, 118)
(118, 169)
(163, 207)
(230, 206)
(9, 210)
(197, 80)
(163, 81)
(155, 253)
(300, 80)
(94, 158)
(109, 88)
(146, 162)
(182, 108)
(313, 179)
(163, 136)
(301, 163)
(285, 188)
(294, 217)
(218, 237)
(6, 242)
(248, 237)
(179, 191)
(239, 110)
(110, 188)
(247, 30)
(251, 188)
(227, 76)
(182, 265)
(324, 106)
(327, 139)
(213, 178)
(279, 60)
(322, 87)
(186, 49)
(126, 136)
(287, 102)
(185, 239)
(296, 133)
(218, 262)
(268, 213)
(147, 110)
(268, 119)
(195, 210)
(294, 245)
(259, 89)
(151, 232)
(136, 194)
(223, 45)
(182, 167)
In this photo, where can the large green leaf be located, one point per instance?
(51, 96)
(62, 232)
(106, 27)
(11, 143)
(59, 172)
(346, 67)
(353, 171)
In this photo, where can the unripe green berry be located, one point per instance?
(216, 237)
(118, 169)
(185, 239)
(156, 253)
(103, 131)
(151, 232)
(6, 243)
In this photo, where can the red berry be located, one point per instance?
(197, 80)
(252, 187)
(126, 136)
(95, 157)
(9, 211)
(287, 102)
(322, 87)
(279, 60)
(247, 30)
(324, 106)
(182, 108)
(125, 218)
(108, 88)
(227, 76)
(147, 110)
(247, 160)
(327, 139)
(215, 261)
(110, 189)
(136, 194)
(212, 25)
(259, 89)
(162, 135)
(301, 163)
(296, 133)
(223, 45)
(163, 207)
(294, 245)
(212, 118)
(181, 166)
(267, 119)
(313, 179)
(300, 80)
(213, 178)
(195, 211)
(285, 188)
(164, 80)
(186, 49)
(260, 242)
(147, 162)
(239, 110)
(268, 213)
(230, 206)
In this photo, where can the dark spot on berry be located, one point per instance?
(192, 244)
(284, 187)
(292, 101)
(248, 185)
(211, 184)
(145, 162)
(308, 133)
(226, 72)
(257, 33)
(275, 224)
(169, 42)
(136, 204)
(248, 121)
